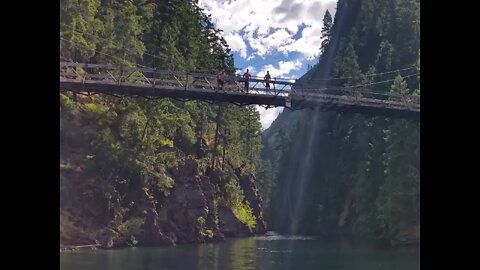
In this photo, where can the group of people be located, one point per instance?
(221, 80)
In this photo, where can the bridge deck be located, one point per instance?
(202, 86)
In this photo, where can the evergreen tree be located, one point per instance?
(326, 29)
(128, 148)
(365, 177)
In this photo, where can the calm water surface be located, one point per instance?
(269, 252)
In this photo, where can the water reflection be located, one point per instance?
(243, 254)
(269, 253)
(208, 256)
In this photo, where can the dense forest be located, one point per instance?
(348, 174)
(135, 171)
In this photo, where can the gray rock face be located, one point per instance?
(187, 214)
(190, 200)
(410, 236)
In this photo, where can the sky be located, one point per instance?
(281, 36)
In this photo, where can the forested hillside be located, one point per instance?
(348, 174)
(135, 171)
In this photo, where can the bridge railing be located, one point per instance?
(277, 85)
(357, 95)
(140, 75)
(137, 75)
(124, 75)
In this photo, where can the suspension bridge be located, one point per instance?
(150, 83)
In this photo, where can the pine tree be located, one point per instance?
(384, 58)
(79, 28)
(326, 31)
(348, 65)
(417, 90)
(133, 144)
(399, 85)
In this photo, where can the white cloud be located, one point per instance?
(251, 69)
(283, 70)
(236, 43)
(268, 43)
(267, 116)
(269, 26)
(306, 45)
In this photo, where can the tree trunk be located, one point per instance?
(215, 144)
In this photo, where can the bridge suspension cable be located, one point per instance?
(326, 79)
(354, 86)
(118, 47)
(380, 82)
(366, 75)
(183, 86)
(80, 46)
(104, 39)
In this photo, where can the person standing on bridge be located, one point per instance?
(220, 79)
(267, 79)
(246, 76)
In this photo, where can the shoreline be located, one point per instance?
(93, 247)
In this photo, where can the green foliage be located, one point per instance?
(236, 201)
(131, 229)
(202, 228)
(209, 234)
(67, 105)
(244, 213)
(326, 31)
(82, 29)
(131, 226)
(399, 85)
(127, 148)
(201, 225)
(417, 91)
(348, 66)
(266, 184)
(384, 58)
(361, 168)
(215, 211)
(96, 108)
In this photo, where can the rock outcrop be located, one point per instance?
(251, 195)
(407, 237)
(230, 225)
(191, 213)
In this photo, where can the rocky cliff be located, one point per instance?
(189, 214)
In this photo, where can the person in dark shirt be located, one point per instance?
(267, 79)
(220, 79)
(246, 76)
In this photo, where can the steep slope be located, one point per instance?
(350, 174)
(135, 171)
